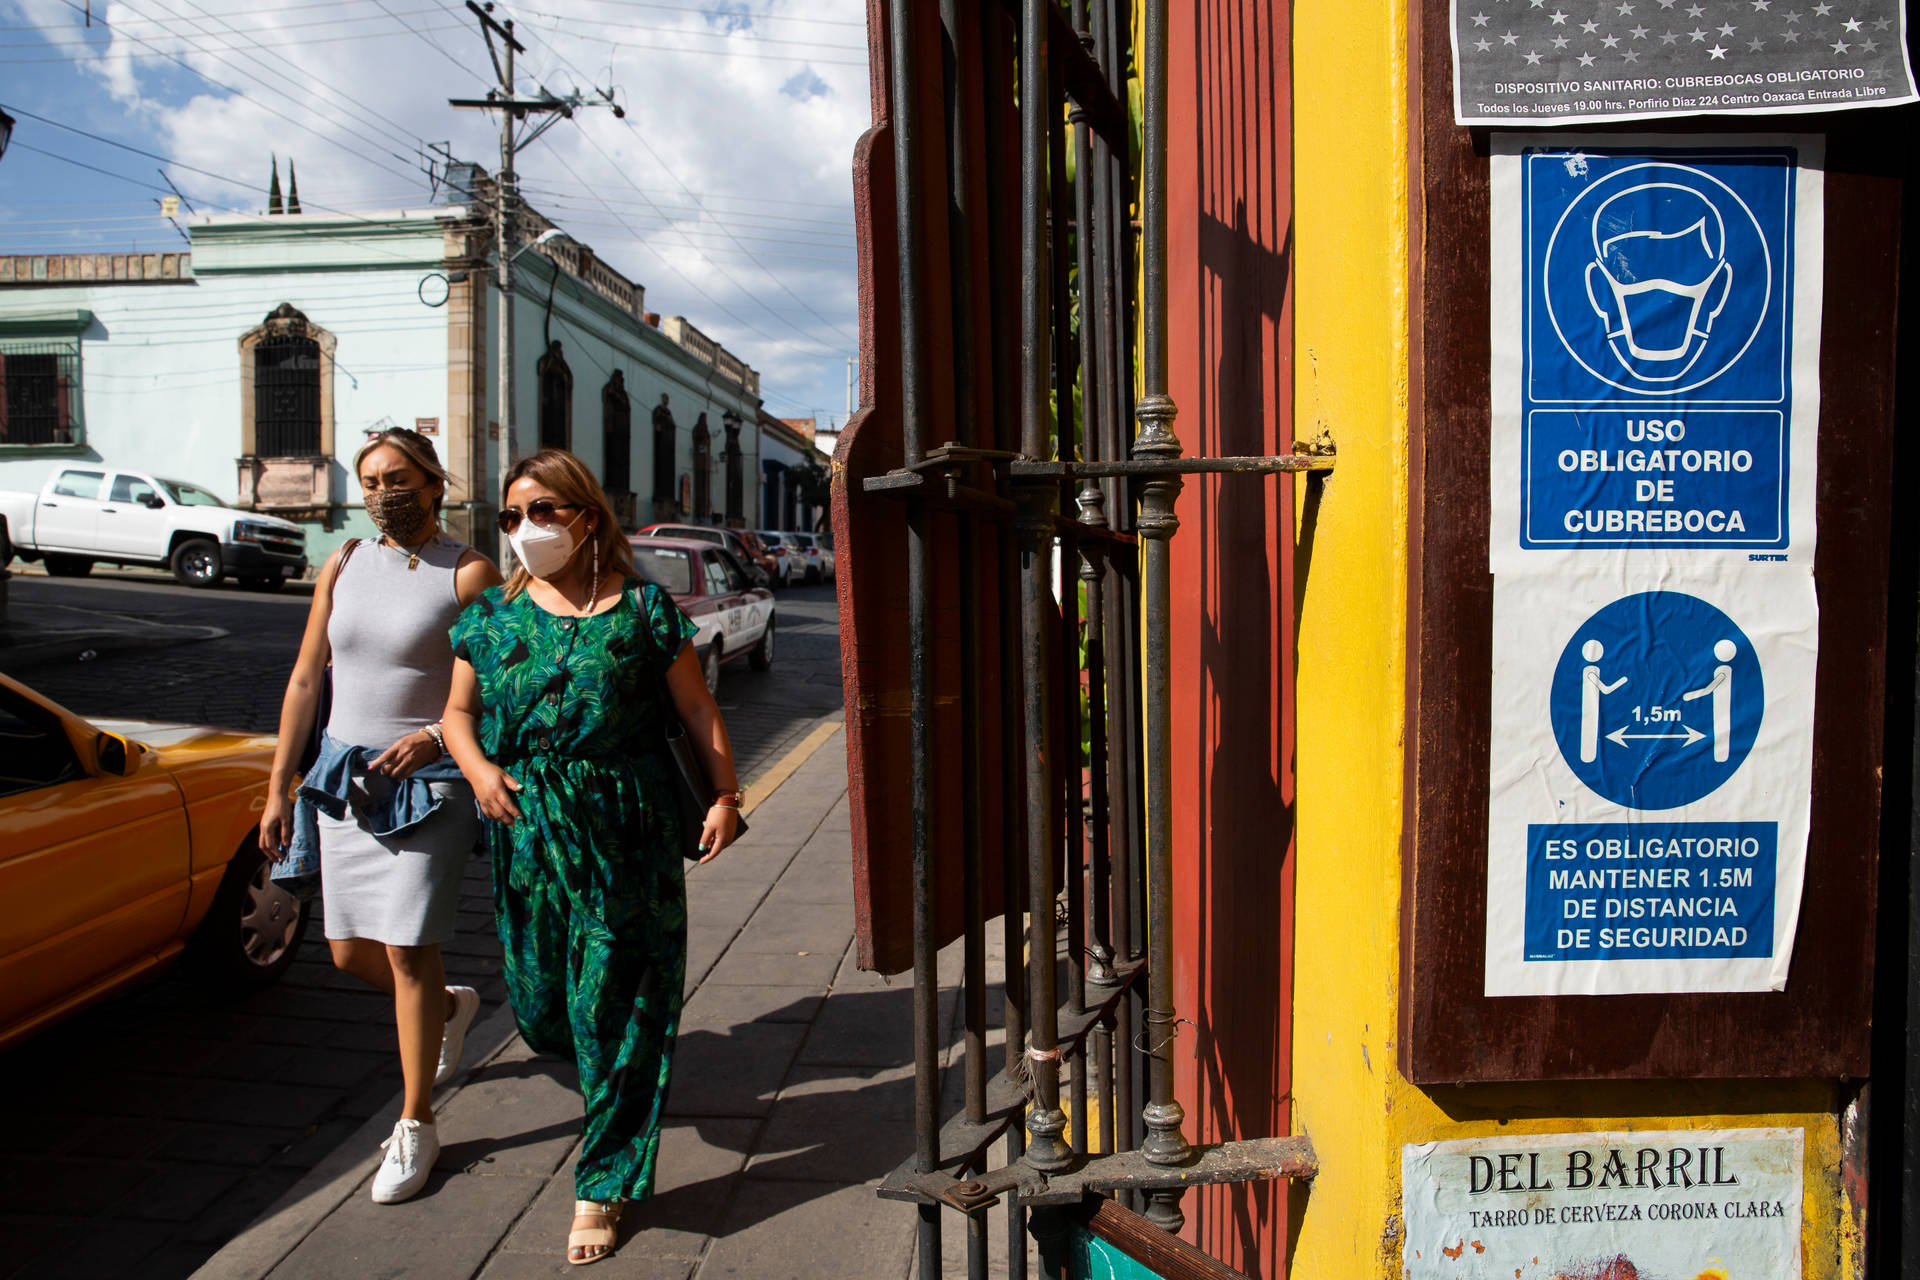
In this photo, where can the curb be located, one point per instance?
(269, 1239)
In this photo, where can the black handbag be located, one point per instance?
(692, 793)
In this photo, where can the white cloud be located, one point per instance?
(733, 164)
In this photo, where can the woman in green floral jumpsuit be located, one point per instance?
(556, 718)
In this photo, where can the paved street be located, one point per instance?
(139, 1137)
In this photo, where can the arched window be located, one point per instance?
(616, 435)
(286, 387)
(702, 469)
(556, 400)
(663, 451)
(736, 480)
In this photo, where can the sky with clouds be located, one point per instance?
(726, 190)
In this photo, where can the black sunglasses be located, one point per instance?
(541, 511)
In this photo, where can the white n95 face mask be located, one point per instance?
(544, 551)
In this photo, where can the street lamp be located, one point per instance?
(6, 131)
(536, 242)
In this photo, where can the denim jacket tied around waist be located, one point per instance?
(324, 790)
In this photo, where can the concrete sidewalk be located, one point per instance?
(792, 1096)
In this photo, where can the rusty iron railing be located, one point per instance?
(1086, 492)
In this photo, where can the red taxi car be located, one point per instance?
(734, 616)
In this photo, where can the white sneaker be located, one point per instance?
(411, 1151)
(466, 1003)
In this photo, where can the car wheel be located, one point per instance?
(59, 566)
(762, 656)
(710, 667)
(6, 545)
(196, 563)
(253, 930)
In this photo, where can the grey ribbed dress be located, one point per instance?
(392, 665)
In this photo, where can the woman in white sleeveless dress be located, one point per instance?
(394, 822)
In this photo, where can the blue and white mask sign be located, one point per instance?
(1655, 332)
(1650, 787)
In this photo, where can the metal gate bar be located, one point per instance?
(1080, 831)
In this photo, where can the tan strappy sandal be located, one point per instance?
(601, 1238)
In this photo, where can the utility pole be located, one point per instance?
(512, 108)
(849, 386)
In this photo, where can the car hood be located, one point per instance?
(258, 517)
(178, 743)
(205, 761)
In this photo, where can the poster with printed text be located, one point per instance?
(1554, 62)
(1650, 790)
(1693, 1205)
(1655, 409)
(1656, 344)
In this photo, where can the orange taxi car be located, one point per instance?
(123, 845)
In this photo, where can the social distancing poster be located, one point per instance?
(1655, 405)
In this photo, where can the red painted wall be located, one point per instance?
(1231, 327)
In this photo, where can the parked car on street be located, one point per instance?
(129, 845)
(90, 513)
(747, 549)
(736, 618)
(819, 555)
(791, 560)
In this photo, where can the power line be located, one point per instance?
(307, 81)
(764, 220)
(693, 32)
(279, 44)
(431, 44)
(99, 46)
(645, 244)
(298, 124)
(81, 35)
(668, 170)
(253, 12)
(757, 17)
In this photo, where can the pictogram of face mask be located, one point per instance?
(545, 549)
(400, 515)
(1659, 278)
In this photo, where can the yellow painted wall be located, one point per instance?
(1351, 142)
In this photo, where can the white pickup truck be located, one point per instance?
(88, 513)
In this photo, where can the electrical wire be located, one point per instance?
(668, 170)
(756, 17)
(303, 127)
(692, 32)
(431, 44)
(307, 82)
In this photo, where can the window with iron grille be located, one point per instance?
(286, 397)
(616, 431)
(556, 400)
(702, 469)
(40, 392)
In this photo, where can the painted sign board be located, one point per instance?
(1650, 790)
(1718, 1204)
(1656, 322)
(1558, 62)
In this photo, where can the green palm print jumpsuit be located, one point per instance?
(589, 887)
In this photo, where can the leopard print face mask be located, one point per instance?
(397, 513)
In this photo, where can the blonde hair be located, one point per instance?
(569, 480)
(415, 448)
